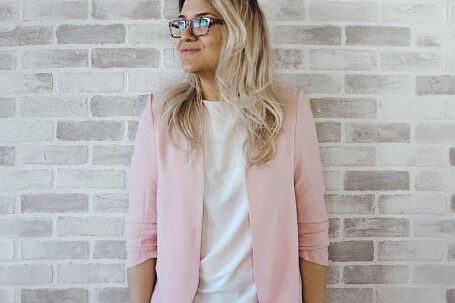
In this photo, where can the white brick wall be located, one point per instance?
(381, 74)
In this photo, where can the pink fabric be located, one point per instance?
(286, 203)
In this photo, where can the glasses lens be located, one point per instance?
(175, 26)
(200, 26)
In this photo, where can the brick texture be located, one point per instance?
(74, 78)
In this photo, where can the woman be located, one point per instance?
(226, 190)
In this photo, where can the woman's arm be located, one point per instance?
(141, 220)
(312, 219)
(141, 281)
(314, 278)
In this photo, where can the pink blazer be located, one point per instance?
(286, 204)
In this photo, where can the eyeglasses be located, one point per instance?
(198, 26)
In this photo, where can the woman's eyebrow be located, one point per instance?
(197, 15)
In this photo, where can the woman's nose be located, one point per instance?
(187, 35)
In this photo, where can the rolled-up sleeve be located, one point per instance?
(309, 187)
(141, 219)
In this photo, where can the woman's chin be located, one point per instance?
(190, 69)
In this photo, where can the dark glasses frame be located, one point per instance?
(188, 23)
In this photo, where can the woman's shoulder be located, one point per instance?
(287, 94)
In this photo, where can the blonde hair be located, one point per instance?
(244, 77)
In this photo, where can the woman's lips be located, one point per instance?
(189, 51)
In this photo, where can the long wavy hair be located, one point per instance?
(244, 77)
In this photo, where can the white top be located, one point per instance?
(226, 267)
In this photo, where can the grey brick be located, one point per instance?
(55, 295)
(6, 251)
(378, 35)
(51, 249)
(45, 10)
(284, 10)
(452, 203)
(333, 274)
(411, 204)
(35, 35)
(345, 59)
(132, 128)
(7, 205)
(25, 274)
(355, 11)
(90, 178)
(412, 108)
(20, 131)
(20, 83)
(7, 155)
(112, 154)
(350, 295)
(89, 130)
(149, 33)
(451, 251)
(110, 203)
(7, 295)
(125, 57)
(405, 155)
(306, 34)
(86, 82)
(410, 250)
(131, 10)
(171, 9)
(19, 179)
(109, 249)
(90, 273)
(144, 82)
(376, 180)
(434, 227)
(7, 107)
(376, 227)
(285, 58)
(111, 295)
(435, 133)
(115, 106)
(328, 131)
(375, 274)
(413, 12)
(331, 107)
(377, 132)
(452, 156)
(347, 156)
(172, 59)
(410, 61)
(409, 294)
(435, 85)
(334, 227)
(7, 60)
(55, 154)
(90, 34)
(332, 180)
(54, 58)
(89, 226)
(435, 180)
(54, 107)
(434, 274)
(9, 10)
(54, 203)
(379, 84)
(348, 251)
(25, 35)
(349, 204)
(25, 227)
(314, 83)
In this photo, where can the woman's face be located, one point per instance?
(204, 60)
